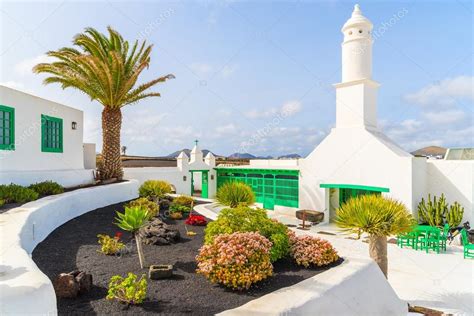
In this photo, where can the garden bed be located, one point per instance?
(74, 246)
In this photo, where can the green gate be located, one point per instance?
(271, 186)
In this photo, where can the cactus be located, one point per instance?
(433, 212)
(455, 215)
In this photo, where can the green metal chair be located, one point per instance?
(408, 239)
(444, 236)
(431, 240)
(468, 248)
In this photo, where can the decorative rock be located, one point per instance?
(70, 285)
(314, 217)
(160, 271)
(158, 233)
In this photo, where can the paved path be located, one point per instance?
(442, 281)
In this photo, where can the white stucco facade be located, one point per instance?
(28, 162)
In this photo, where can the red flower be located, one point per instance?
(118, 235)
(196, 220)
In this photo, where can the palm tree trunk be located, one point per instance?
(378, 252)
(111, 164)
(141, 256)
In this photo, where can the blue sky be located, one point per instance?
(239, 64)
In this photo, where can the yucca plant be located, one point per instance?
(107, 70)
(379, 217)
(235, 193)
(132, 220)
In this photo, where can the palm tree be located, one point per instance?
(106, 69)
(124, 150)
(379, 217)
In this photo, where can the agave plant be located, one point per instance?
(131, 220)
(379, 217)
(107, 70)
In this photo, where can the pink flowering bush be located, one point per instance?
(308, 250)
(236, 260)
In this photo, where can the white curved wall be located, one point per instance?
(355, 287)
(24, 289)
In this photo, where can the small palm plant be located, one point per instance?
(379, 217)
(131, 220)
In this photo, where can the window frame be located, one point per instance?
(44, 148)
(11, 111)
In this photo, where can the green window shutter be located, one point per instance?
(51, 134)
(7, 128)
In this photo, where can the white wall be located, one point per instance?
(15, 165)
(172, 175)
(24, 289)
(454, 178)
(333, 292)
(354, 156)
(89, 156)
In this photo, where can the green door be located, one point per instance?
(205, 182)
(269, 192)
(192, 183)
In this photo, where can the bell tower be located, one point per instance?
(356, 95)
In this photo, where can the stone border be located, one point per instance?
(24, 289)
(355, 287)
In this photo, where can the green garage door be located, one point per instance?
(271, 187)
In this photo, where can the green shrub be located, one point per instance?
(127, 290)
(150, 206)
(110, 245)
(236, 260)
(235, 193)
(246, 219)
(47, 188)
(176, 208)
(154, 189)
(2, 202)
(181, 204)
(13, 193)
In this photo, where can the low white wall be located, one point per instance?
(24, 289)
(67, 178)
(355, 287)
(171, 174)
(89, 156)
(454, 178)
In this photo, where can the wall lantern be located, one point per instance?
(74, 125)
(184, 178)
(212, 177)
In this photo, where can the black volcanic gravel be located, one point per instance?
(74, 246)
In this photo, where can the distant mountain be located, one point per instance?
(289, 156)
(188, 153)
(265, 157)
(430, 151)
(241, 156)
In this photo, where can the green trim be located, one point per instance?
(11, 128)
(45, 136)
(199, 170)
(257, 170)
(354, 186)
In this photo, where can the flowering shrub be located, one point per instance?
(308, 250)
(110, 245)
(236, 260)
(246, 219)
(127, 290)
(196, 220)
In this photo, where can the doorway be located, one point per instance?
(200, 183)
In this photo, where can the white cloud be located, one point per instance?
(226, 129)
(445, 93)
(25, 66)
(229, 70)
(201, 68)
(445, 117)
(288, 109)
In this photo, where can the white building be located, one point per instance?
(42, 140)
(355, 158)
